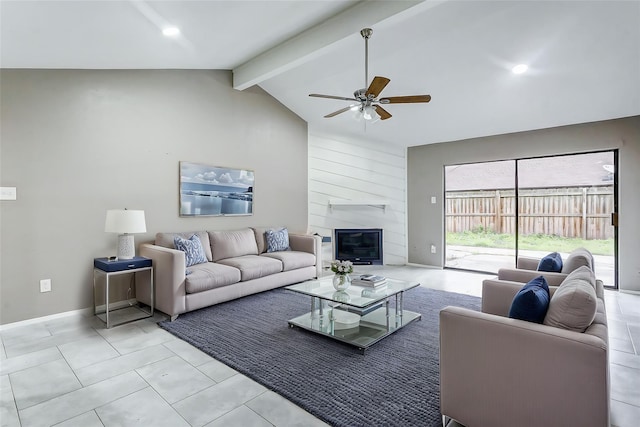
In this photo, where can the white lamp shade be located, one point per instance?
(125, 221)
(369, 113)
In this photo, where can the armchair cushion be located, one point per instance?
(582, 273)
(574, 304)
(551, 262)
(531, 302)
(577, 258)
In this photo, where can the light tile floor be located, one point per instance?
(72, 371)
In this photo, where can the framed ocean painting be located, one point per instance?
(214, 191)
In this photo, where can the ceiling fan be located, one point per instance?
(366, 100)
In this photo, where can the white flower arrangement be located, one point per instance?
(342, 267)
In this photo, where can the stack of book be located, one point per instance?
(369, 280)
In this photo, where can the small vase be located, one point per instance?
(341, 282)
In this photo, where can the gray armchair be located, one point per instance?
(502, 372)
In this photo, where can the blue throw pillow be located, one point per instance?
(192, 248)
(551, 262)
(277, 240)
(531, 302)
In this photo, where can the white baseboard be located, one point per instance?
(432, 267)
(625, 291)
(86, 312)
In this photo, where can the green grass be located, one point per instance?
(536, 242)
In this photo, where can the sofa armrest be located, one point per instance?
(523, 276)
(308, 243)
(497, 295)
(527, 263)
(496, 371)
(169, 274)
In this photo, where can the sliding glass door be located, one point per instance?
(562, 203)
(566, 202)
(480, 216)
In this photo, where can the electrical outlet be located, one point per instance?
(45, 285)
(433, 249)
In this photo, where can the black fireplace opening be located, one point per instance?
(362, 246)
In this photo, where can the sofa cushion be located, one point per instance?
(583, 273)
(261, 239)
(573, 305)
(551, 262)
(277, 240)
(166, 240)
(577, 258)
(192, 248)
(531, 302)
(203, 277)
(292, 260)
(253, 266)
(230, 244)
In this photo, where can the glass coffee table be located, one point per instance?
(359, 316)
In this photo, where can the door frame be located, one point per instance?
(516, 187)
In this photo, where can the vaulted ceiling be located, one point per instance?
(583, 56)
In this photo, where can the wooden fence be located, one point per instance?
(582, 212)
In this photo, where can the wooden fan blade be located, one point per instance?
(340, 111)
(405, 99)
(384, 114)
(376, 86)
(316, 95)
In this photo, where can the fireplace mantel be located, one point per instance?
(377, 203)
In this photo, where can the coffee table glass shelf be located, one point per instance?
(359, 316)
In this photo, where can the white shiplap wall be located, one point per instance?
(358, 170)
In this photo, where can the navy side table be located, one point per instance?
(123, 311)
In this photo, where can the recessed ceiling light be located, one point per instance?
(171, 31)
(520, 68)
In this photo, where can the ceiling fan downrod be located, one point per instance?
(366, 34)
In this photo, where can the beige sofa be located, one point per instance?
(496, 371)
(238, 265)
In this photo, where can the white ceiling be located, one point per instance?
(584, 56)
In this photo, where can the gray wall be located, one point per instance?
(76, 143)
(425, 178)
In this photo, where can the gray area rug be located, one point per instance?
(395, 383)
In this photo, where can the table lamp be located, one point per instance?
(125, 222)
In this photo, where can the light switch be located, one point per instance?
(8, 193)
(433, 200)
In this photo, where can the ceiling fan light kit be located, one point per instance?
(368, 105)
(369, 113)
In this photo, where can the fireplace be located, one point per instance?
(361, 246)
